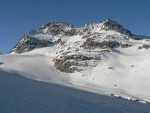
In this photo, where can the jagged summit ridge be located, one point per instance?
(55, 32)
(108, 20)
(109, 24)
(57, 24)
(57, 28)
(106, 25)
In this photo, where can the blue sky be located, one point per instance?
(18, 17)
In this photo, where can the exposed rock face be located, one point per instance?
(57, 28)
(28, 43)
(125, 45)
(90, 44)
(144, 47)
(109, 24)
(69, 63)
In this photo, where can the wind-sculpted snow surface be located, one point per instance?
(22, 95)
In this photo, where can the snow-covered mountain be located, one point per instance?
(48, 35)
(78, 48)
(84, 51)
(52, 33)
(104, 58)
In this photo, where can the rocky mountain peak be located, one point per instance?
(112, 25)
(108, 20)
(28, 43)
(57, 28)
(57, 25)
(91, 36)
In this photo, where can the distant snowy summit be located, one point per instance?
(77, 49)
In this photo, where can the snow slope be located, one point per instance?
(54, 91)
(122, 72)
(22, 95)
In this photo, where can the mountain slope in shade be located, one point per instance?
(19, 94)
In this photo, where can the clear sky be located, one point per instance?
(18, 17)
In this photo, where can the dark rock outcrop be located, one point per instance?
(57, 28)
(28, 43)
(69, 63)
(125, 45)
(144, 47)
(109, 24)
(91, 44)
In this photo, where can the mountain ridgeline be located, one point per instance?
(76, 48)
(37, 39)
